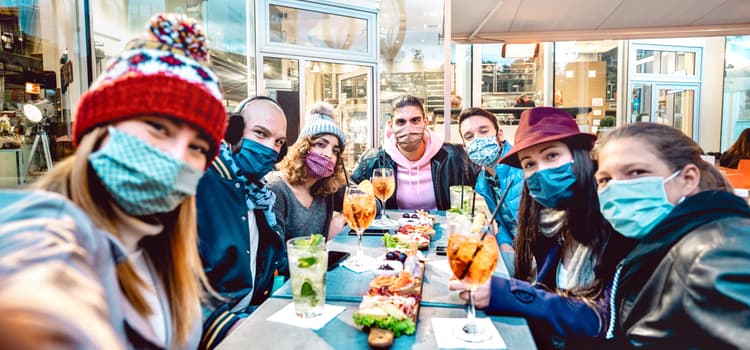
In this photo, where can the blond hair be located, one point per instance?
(294, 170)
(174, 252)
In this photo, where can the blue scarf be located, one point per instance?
(257, 194)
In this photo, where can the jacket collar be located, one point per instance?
(693, 212)
(220, 163)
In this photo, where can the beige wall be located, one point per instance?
(709, 120)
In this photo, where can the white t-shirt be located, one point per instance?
(562, 276)
(253, 254)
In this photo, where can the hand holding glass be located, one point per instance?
(472, 257)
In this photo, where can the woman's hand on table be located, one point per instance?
(481, 294)
(337, 224)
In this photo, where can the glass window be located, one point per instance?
(314, 29)
(736, 106)
(40, 64)
(225, 22)
(411, 55)
(509, 83)
(665, 62)
(586, 81)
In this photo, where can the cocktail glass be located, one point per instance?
(308, 262)
(383, 185)
(359, 211)
(472, 257)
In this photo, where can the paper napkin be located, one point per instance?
(358, 269)
(443, 328)
(288, 316)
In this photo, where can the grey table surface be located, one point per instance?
(341, 333)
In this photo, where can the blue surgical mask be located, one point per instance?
(484, 151)
(255, 159)
(634, 207)
(552, 187)
(141, 179)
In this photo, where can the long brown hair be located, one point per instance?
(174, 252)
(294, 170)
(584, 223)
(674, 148)
(740, 149)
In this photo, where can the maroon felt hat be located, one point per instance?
(544, 124)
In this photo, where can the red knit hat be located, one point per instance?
(544, 124)
(164, 74)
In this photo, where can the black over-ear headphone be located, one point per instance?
(236, 125)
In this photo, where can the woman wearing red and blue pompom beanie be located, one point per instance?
(118, 222)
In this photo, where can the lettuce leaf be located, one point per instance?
(405, 326)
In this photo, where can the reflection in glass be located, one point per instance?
(586, 76)
(736, 99)
(317, 29)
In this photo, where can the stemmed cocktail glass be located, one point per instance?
(359, 211)
(383, 185)
(472, 257)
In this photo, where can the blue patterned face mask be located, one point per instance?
(140, 178)
(552, 187)
(635, 206)
(255, 159)
(484, 151)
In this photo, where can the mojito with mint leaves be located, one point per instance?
(308, 262)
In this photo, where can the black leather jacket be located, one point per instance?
(450, 166)
(688, 284)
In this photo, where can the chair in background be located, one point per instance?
(744, 166)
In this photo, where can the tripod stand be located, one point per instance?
(41, 134)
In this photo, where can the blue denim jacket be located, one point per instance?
(491, 188)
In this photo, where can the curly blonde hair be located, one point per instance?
(294, 170)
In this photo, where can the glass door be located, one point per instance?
(348, 88)
(355, 103)
(281, 81)
(673, 105)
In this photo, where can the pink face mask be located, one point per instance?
(319, 166)
(409, 137)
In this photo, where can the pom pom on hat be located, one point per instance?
(320, 121)
(164, 74)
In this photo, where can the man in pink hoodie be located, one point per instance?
(424, 166)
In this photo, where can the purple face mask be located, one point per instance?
(319, 166)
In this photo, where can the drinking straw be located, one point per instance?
(346, 175)
(473, 202)
(484, 234)
(500, 202)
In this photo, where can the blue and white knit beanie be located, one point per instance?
(320, 121)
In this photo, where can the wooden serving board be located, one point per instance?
(383, 338)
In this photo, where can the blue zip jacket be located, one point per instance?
(491, 188)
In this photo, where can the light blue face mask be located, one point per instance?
(484, 151)
(140, 178)
(634, 207)
(552, 187)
